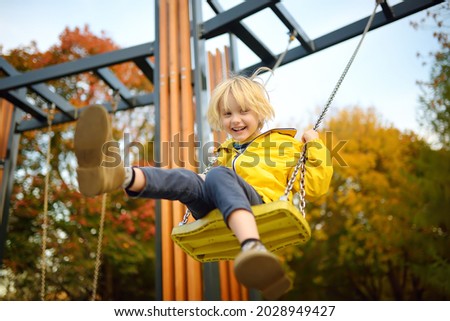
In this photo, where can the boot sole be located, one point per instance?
(262, 271)
(91, 133)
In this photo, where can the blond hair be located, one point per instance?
(248, 92)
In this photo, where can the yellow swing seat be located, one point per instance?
(208, 239)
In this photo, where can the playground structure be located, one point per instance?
(180, 92)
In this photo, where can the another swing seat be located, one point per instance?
(208, 239)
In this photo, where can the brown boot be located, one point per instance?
(259, 269)
(100, 168)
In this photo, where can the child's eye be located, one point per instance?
(244, 112)
(226, 114)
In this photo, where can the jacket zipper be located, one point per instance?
(235, 158)
(242, 152)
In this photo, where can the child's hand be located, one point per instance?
(309, 135)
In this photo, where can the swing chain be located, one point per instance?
(299, 167)
(302, 161)
(210, 164)
(347, 67)
(207, 169)
(280, 59)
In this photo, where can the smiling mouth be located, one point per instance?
(238, 129)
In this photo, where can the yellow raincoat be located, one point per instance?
(269, 160)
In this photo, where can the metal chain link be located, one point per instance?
(300, 167)
(301, 164)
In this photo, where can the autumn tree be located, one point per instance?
(73, 219)
(433, 164)
(435, 98)
(372, 237)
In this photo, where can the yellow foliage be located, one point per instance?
(365, 204)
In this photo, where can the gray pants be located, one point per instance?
(222, 189)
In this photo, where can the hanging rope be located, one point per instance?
(50, 116)
(302, 161)
(115, 101)
(98, 254)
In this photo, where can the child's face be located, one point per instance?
(241, 125)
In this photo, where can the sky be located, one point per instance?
(383, 75)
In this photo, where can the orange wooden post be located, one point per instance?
(194, 273)
(175, 127)
(220, 75)
(6, 117)
(6, 112)
(226, 54)
(182, 278)
(168, 281)
(212, 84)
(224, 273)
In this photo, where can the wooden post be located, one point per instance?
(182, 279)
(194, 275)
(175, 127)
(6, 112)
(168, 280)
(8, 155)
